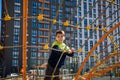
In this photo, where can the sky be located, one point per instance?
(0, 16)
(0, 7)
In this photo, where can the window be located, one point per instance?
(15, 43)
(46, 5)
(67, 16)
(16, 31)
(33, 40)
(80, 43)
(67, 35)
(91, 33)
(39, 25)
(101, 47)
(85, 22)
(53, 14)
(67, 28)
(16, 15)
(33, 20)
(33, 54)
(79, 8)
(79, 13)
(80, 35)
(14, 62)
(16, 23)
(95, 36)
(46, 26)
(34, 24)
(40, 33)
(53, 1)
(86, 47)
(90, 21)
(60, 15)
(61, 9)
(85, 5)
(54, 27)
(45, 33)
(90, 14)
(53, 8)
(33, 49)
(94, 10)
(16, 38)
(15, 49)
(85, 12)
(40, 62)
(67, 3)
(34, 32)
(68, 9)
(45, 40)
(85, 33)
(16, 8)
(46, 55)
(46, 12)
(40, 4)
(40, 54)
(15, 54)
(40, 40)
(33, 62)
(91, 44)
(34, 12)
(94, 15)
(17, 1)
(34, 4)
(90, 0)
(39, 11)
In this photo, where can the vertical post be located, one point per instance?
(24, 37)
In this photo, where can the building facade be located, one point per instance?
(97, 14)
(39, 32)
(1, 54)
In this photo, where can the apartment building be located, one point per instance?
(39, 32)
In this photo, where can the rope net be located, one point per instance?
(102, 63)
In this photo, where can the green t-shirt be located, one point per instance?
(61, 46)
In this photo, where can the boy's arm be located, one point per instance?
(56, 49)
(70, 52)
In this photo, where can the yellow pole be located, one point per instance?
(24, 53)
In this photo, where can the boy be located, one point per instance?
(57, 56)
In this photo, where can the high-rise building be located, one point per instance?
(13, 30)
(1, 53)
(39, 32)
(96, 14)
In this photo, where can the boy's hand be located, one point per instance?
(71, 50)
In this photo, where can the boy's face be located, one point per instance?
(60, 38)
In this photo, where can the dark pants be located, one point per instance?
(49, 73)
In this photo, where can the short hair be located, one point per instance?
(60, 32)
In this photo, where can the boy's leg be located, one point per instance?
(49, 71)
(56, 75)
